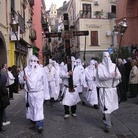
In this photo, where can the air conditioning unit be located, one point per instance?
(96, 3)
(108, 33)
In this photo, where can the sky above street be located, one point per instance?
(59, 3)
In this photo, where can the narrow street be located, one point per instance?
(88, 124)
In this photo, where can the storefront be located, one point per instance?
(20, 53)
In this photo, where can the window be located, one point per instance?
(113, 9)
(94, 38)
(86, 10)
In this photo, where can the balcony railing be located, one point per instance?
(95, 15)
(111, 15)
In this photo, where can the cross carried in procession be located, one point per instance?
(67, 35)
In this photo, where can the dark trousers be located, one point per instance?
(1, 117)
(67, 109)
(122, 91)
(10, 91)
(4, 119)
(133, 90)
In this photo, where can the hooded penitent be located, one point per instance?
(106, 61)
(33, 62)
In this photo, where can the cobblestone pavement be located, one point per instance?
(88, 124)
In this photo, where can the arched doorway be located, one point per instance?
(3, 53)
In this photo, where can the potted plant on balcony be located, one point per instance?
(98, 13)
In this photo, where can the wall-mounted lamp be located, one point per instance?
(14, 25)
(29, 23)
(123, 26)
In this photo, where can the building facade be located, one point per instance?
(96, 16)
(16, 45)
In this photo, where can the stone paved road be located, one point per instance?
(88, 124)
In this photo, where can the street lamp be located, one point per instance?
(29, 23)
(14, 25)
(122, 26)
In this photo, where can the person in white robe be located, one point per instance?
(70, 99)
(80, 76)
(90, 96)
(52, 81)
(57, 67)
(36, 91)
(108, 77)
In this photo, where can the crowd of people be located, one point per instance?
(100, 85)
(9, 84)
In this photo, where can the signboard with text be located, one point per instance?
(15, 36)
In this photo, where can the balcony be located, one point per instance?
(33, 34)
(31, 2)
(93, 15)
(111, 15)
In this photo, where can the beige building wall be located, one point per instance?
(4, 29)
(103, 25)
(7, 47)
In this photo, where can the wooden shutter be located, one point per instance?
(94, 38)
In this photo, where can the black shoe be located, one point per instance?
(106, 129)
(96, 106)
(83, 103)
(31, 126)
(40, 129)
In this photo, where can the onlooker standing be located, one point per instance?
(11, 81)
(108, 77)
(2, 82)
(133, 79)
(122, 84)
(128, 68)
(36, 87)
(16, 81)
(5, 73)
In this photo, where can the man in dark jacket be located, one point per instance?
(5, 83)
(123, 82)
(128, 69)
(3, 80)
